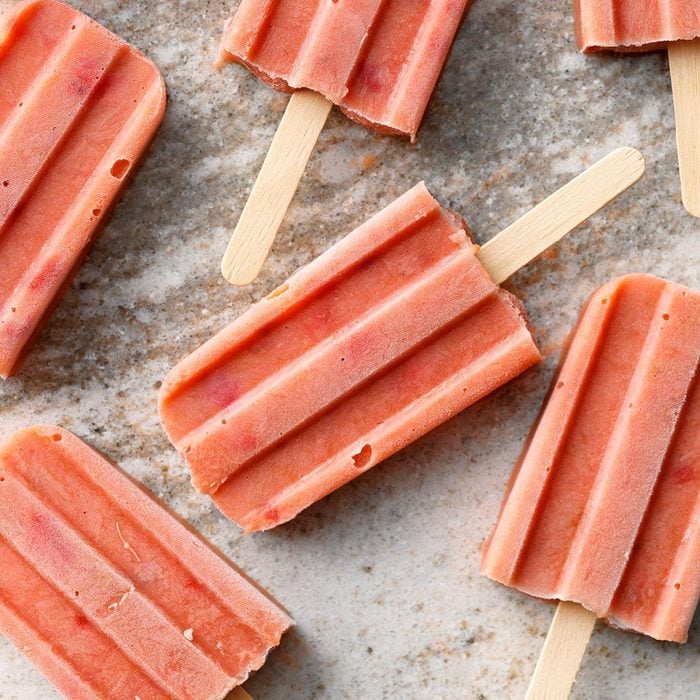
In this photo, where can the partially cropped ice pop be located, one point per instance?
(378, 60)
(391, 332)
(107, 593)
(646, 25)
(603, 508)
(78, 107)
(631, 25)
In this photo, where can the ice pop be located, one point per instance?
(378, 60)
(628, 25)
(391, 332)
(78, 107)
(603, 507)
(631, 25)
(107, 592)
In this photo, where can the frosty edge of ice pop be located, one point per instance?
(78, 108)
(378, 60)
(388, 334)
(602, 509)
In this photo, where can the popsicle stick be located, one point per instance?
(684, 59)
(275, 187)
(239, 694)
(562, 653)
(563, 211)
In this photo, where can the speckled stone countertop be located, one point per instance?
(382, 576)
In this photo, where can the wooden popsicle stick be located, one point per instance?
(560, 213)
(275, 187)
(562, 653)
(239, 694)
(684, 60)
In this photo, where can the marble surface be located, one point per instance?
(382, 576)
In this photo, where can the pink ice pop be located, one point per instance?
(107, 593)
(603, 508)
(631, 25)
(382, 338)
(78, 108)
(391, 332)
(378, 61)
(646, 25)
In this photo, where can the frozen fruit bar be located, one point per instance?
(107, 593)
(630, 25)
(379, 60)
(603, 507)
(78, 107)
(388, 334)
(645, 25)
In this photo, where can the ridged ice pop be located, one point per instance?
(603, 508)
(391, 332)
(78, 108)
(628, 25)
(378, 60)
(107, 593)
(385, 336)
(632, 25)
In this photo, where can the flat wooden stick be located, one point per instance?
(275, 187)
(560, 213)
(239, 694)
(684, 59)
(562, 653)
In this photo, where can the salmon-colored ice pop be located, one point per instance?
(78, 107)
(603, 509)
(632, 25)
(107, 593)
(378, 60)
(389, 333)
